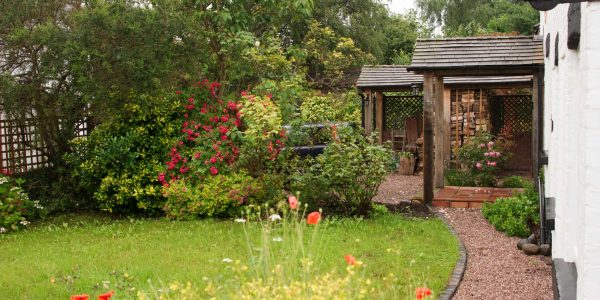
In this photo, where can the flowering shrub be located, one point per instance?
(210, 139)
(219, 163)
(15, 207)
(480, 158)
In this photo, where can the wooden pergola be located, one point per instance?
(436, 59)
(374, 81)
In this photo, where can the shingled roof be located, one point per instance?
(396, 76)
(477, 52)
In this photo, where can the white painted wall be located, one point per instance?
(572, 103)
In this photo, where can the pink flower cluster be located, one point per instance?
(206, 146)
(489, 154)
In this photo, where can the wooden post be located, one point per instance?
(428, 95)
(535, 126)
(379, 116)
(447, 123)
(480, 110)
(456, 145)
(368, 113)
(440, 133)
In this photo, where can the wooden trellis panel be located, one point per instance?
(513, 111)
(398, 108)
(20, 146)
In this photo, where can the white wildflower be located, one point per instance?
(2, 230)
(3, 180)
(274, 217)
(227, 260)
(37, 205)
(277, 239)
(240, 220)
(24, 222)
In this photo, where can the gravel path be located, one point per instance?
(496, 269)
(398, 188)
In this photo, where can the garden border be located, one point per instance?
(461, 264)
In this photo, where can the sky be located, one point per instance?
(399, 6)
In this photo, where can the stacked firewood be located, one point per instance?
(467, 116)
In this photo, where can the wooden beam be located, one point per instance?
(379, 116)
(428, 96)
(440, 132)
(535, 129)
(368, 113)
(480, 71)
(447, 122)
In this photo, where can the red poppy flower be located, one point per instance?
(214, 170)
(313, 218)
(80, 297)
(178, 92)
(422, 293)
(106, 296)
(224, 119)
(350, 260)
(293, 201)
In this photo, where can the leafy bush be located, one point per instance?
(480, 159)
(514, 182)
(216, 196)
(341, 107)
(344, 179)
(15, 207)
(118, 162)
(517, 215)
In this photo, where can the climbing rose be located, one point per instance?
(293, 201)
(214, 170)
(422, 293)
(313, 218)
(350, 260)
(478, 165)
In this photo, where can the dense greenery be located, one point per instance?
(479, 17)
(517, 215)
(75, 254)
(15, 206)
(345, 178)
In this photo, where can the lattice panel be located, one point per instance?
(513, 111)
(20, 146)
(397, 108)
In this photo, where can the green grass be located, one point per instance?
(422, 251)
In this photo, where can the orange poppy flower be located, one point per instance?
(80, 297)
(350, 259)
(106, 296)
(313, 218)
(422, 293)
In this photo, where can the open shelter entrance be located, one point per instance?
(393, 108)
(437, 59)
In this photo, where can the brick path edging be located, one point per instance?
(461, 264)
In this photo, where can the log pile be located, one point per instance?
(468, 114)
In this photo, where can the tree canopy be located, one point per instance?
(473, 17)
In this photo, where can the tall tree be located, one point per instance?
(472, 17)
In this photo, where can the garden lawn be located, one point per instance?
(75, 254)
